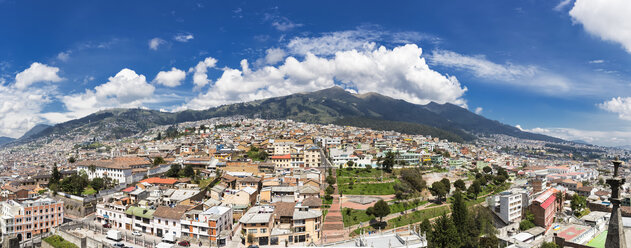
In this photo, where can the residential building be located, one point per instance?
(544, 208)
(167, 220)
(31, 217)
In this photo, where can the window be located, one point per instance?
(263, 230)
(252, 231)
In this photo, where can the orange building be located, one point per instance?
(30, 217)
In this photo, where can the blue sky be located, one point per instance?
(555, 67)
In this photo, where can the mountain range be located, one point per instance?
(333, 105)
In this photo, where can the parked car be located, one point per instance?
(136, 233)
(184, 243)
(107, 225)
(119, 245)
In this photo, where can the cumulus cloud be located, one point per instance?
(155, 43)
(364, 38)
(170, 78)
(274, 55)
(37, 73)
(400, 73)
(124, 90)
(608, 19)
(200, 78)
(183, 37)
(21, 102)
(597, 61)
(618, 105)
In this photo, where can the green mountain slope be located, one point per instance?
(333, 105)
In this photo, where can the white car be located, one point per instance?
(136, 233)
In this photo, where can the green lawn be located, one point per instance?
(205, 182)
(362, 173)
(414, 217)
(88, 191)
(368, 189)
(357, 216)
(58, 242)
(346, 180)
(402, 206)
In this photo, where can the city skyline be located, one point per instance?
(550, 67)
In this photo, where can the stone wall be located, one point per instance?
(73, 238)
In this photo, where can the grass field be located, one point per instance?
(414, 217)
(88, 191)
(368, 189)
(357, 216)
(362, 173)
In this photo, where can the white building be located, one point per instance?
(118, 169)
(508, 205)
(167, 220)
(214, 225)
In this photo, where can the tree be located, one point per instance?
(97, 183)
(460, 185)
(425, 226)
(578, 203)
(330, 190)
(174, 171)
(188, 171)
(444, 233)
(330, 180)
(72, 160)
(159, 136)
(475, 188)
(92, 168)
(447, 183)
(414, 178)
(388, 161)
(438, 190)
(381, 209)
(527, 222)
(459, 212)
(158, 161)
(487, 169)
(549, 245)
(55, 175)
(350, 164)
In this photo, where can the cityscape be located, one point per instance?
(271, 124)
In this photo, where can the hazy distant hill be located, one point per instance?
(35, 130)
(5, 140)
(333, 105)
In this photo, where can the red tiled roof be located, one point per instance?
(157, 180)
(286, 156)
(549, 201)
(130, 189)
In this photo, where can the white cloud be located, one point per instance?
(64, 56)
(608, 19)
(282, 23)
(35, 74)
(125, 90)
(618, 105)
(155, 43)
(19, 109)
(170, 78)
(274, 55)
(183, 37)
(21, 102)
(595, 137)
(562, 5)
(519, 127)
(528, 76)
(480, 66)
(478, 110)
(597, 61)
(400, 73)
(200, 78)
(364, 38)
